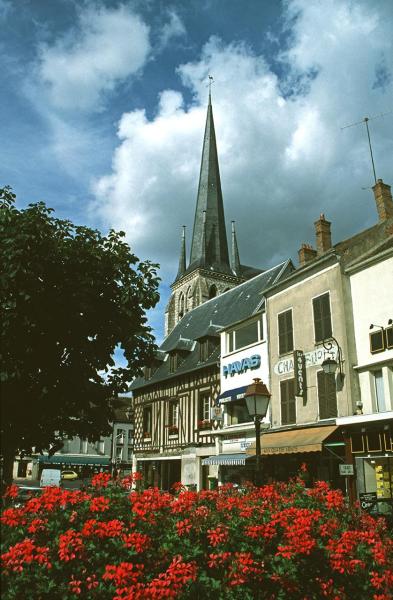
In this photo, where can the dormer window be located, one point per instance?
(206, 346)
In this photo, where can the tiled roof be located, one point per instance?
(234, 305)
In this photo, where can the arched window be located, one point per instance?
(189, 299)
(181, 305)
(212, 291)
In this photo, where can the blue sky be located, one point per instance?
(103, 107)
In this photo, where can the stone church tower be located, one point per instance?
(210, 271)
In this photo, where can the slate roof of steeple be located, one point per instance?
(236, 304)
(209, 199)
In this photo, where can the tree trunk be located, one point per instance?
(8, 467)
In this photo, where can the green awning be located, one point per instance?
(69, 459)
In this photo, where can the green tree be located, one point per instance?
(69, 297)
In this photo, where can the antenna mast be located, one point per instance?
(365, 121)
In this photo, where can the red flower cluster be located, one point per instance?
(278, 541)
(99, 504)
(138, 541)
(217, 536)
(25, 553)
(70, 545)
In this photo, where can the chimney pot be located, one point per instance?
(306, 254)
(383, 200)
(323, 234)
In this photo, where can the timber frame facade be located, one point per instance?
(164, 453)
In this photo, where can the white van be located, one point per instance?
(50, 477)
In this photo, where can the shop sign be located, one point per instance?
(241, 366)
(300, 373)
(367, 500)
(346, 469)
(216, 413)
(311, 359)
(245, 444)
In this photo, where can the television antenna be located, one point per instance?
(365, 121)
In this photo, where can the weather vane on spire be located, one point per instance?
(209, 85)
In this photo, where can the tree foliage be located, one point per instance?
(69, 297)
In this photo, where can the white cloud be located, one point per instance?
(172, 29)
(283, 156)
(107, 47)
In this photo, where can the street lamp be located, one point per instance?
(257, 399)
(330, 364)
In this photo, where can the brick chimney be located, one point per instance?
(383, 200)
(306, 254)
(323, 235)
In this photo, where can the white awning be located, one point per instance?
(226, 459)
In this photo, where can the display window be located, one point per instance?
(375, 474)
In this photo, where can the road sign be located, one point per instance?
(367, 500)
(346, 469)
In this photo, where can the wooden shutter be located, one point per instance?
(288, 402)
(322, 317)
(327, 395)
(285, 332)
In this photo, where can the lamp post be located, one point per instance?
(257, 399)
(330, 364)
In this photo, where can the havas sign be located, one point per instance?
(241, 366)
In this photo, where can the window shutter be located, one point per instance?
(285, 332)
(327, 395)
(322, 317)
(288, 402)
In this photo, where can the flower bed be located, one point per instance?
(281, 541)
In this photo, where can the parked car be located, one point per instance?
(25, 493)
(50, 477)
(69, 475)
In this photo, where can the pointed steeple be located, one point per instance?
(210, 200)
(235, 260)
(182, 258)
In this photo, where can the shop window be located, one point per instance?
(285, 332)
(327, 397)
(147, 420)
(374, 442)
(376, 475)
(288, 402)
(322, 317)
(377, 341)
(380, 404)
(238, 413)
(389, 337)
(357, 443)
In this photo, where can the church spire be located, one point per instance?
(235, 260)
(210, 200)
(182, 258)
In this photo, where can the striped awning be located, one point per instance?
(231, 395)
(294, 441)
(226, 459)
